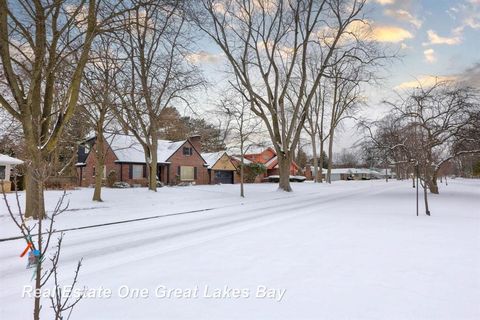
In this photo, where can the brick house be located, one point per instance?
(220, 168)
(268, 158)
(178, 161)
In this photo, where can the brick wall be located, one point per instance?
(195, 160)
(123, 170)
(87, 174)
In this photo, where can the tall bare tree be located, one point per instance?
(44, 47)
(346, 97)
(268, 45)
(157, 73)
(98, 100)
(242, 127)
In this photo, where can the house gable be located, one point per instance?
(178, 154)
(224, 163)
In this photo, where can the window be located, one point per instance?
(137, 171)
(3, 170)
(187, 173)
(187, 151)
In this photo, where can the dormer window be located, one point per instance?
(187, 151)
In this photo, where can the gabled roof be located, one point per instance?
(268, 157)
(262, 157)
(128, 149)
(212, 157)
(238, 158)
(4, 159)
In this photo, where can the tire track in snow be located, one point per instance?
(154, 244)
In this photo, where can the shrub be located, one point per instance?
(111, 178)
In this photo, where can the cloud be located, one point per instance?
(424, 81)
(384, 33)
(403, 15)
(468, 77)
(385, 2)
(434, 38)
(471, 76)
(430, 56)
(467, 13)
(204, 57)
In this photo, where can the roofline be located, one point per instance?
(193, 146)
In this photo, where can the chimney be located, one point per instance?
(196, 141)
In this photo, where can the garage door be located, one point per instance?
(224, 177)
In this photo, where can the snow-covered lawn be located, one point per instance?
(350, 250)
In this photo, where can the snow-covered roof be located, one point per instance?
(352, 171)
(269, 163)
(212, 157)
(239, 159)
(128, 149)
(4, 159)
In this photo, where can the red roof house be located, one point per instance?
(269, 159)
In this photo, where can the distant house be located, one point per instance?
(6, 165)
(346, 174)
(220, 168)
(269, 159)
(178, 161)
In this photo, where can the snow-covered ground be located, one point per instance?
(350, 250)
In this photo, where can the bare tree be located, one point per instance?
(157, 73)
(439, 116)
(268, 45)
(38, 252)
(44, 47)
(98, 100)
(345, 99)
(314, 127)
(243, 128)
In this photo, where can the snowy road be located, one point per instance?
(349, 250)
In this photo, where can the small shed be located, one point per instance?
(220, 167)
(6, 165)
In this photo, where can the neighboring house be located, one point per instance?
(178, 161)
(268, 158)
(6, 165)
(220, 168)
(346, 174)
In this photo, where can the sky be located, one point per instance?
(435, 39)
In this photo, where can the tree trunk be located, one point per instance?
(38, 274)
(433, 185)
(152, 164)
(320, 163)
(330, 157)
(99, 164)
(34, 200)
(315, 159)
(425, 197)
(386, 171)
(284, 162)
(242, 170)
(152, 181)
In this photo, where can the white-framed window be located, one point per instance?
(187, 173)
(187, 151)
(137, 171)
